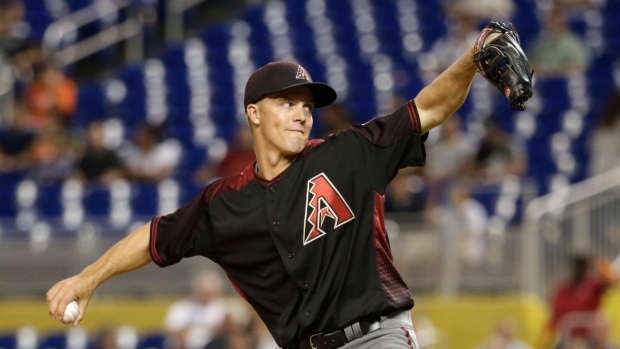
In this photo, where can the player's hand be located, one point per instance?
(78, 288)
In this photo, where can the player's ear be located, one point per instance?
(252, 114)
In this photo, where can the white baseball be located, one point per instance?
(71, 313)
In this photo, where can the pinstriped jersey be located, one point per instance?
(307, 249)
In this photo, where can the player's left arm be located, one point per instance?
(445, 95)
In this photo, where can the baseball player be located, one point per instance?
(300, 232)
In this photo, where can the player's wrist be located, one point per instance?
(91, 278)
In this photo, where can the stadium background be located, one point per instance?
(191, 81)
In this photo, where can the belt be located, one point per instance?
(338, 338)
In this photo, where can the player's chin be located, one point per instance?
(295, 147)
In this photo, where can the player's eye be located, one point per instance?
(309, 107)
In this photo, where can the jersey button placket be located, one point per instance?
(272, 189)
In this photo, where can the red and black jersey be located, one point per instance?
(308, 249)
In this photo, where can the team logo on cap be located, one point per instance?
(302, 73)
(326, 206)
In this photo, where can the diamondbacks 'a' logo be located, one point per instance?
(302, 73)
(322, 201)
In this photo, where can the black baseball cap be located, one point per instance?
(279, 76)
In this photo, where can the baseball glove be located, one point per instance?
(504, 64)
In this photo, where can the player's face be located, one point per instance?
(286, 119)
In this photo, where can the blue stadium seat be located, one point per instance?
(526, 20)
(173, 56)
(8, 341)
(132, 75)
(487, 195)
(53, 341)
(217, 36)
(39, 19)
(152, 341)
(8, 184)
(92, 104)
(75, 5)
(96, 200)
(192, 158)
(49, 202)
(144, 199)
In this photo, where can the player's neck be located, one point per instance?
(269, 167)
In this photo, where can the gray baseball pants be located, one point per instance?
(396, 332)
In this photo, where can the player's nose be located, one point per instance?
(300, 113)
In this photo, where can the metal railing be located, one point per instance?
(583, 218)
(174, 18)
(58, 45)
(59, 51)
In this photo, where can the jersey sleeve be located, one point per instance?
(174, 236)
(380, 147)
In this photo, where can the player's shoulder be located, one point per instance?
(229, 183)
(320, 145)
(330, 139)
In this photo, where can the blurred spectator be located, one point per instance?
(242, 329)
(124, 337)
(333, 119)
(557, 51)
(575, 302)
(96, 162)
(604, 147)
(16, 143)
(406, 192)
(429, 336)
(499, 156)
(496, 10)
(106, 339)
(11, 39)
(27, 57)
(51, 93)
(472, 227)
(150, 158)
(239, 156)
(446, 158)
(191, 323)
(52, 156)
(262, 337)
(12, 32)
(463, 220)
(233, 334)
(504, 337)
(462, 33)
(600, 338)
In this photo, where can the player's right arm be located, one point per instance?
(128, 254)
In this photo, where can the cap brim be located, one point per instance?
(323, 93)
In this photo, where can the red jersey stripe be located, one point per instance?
(154, 255)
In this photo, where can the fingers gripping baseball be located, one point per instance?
(66, 291)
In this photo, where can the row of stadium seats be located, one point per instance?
(77, 338)
(195, 88)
